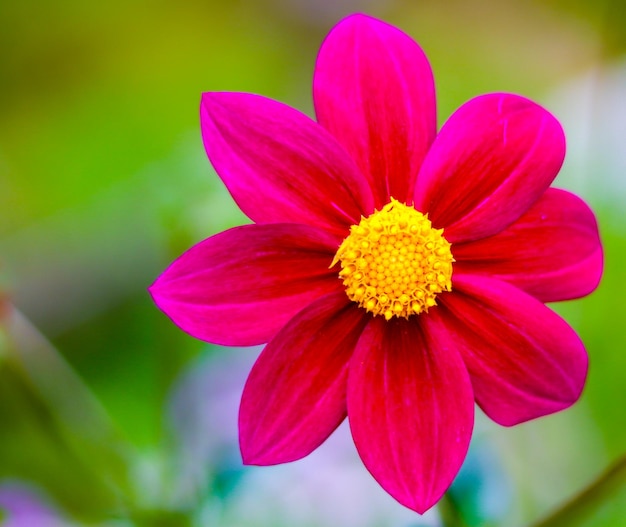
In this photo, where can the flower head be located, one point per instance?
(396, 273)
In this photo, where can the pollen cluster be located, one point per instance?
(393, 263)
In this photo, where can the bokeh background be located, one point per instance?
(109, 415)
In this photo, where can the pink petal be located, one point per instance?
(411, 410)
(524, 360)
(552, 252)
(239, 287)
(374, 90)
(491, 161)
(295, 395)
(279, 165)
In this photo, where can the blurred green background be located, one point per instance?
(116, 417)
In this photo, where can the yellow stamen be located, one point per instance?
(393, 263)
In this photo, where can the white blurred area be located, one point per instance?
(592, 109)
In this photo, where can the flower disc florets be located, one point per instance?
(394, 263)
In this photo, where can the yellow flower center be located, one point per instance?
(393, 263)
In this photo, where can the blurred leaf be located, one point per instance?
(481, 490)
(74, 450)
(450, 511)
(131, 355)
(602, 504)
(162, 519)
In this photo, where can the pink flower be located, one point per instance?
(370, 310)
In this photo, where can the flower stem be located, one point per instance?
(449, 511)
(582, 506)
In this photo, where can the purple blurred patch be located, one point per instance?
(23, 506)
